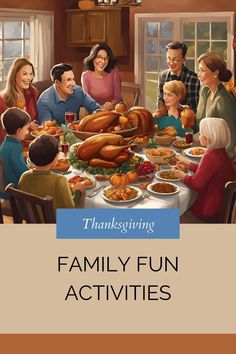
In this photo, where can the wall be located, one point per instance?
(126, 65)
(76, 55)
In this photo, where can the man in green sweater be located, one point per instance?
(43, 153)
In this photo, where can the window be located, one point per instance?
(23, 33)
(200, 32)
(14, 43)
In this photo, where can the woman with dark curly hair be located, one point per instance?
(102, 79)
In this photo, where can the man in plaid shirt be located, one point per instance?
(175, 56)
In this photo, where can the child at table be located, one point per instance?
(16, 122)
(168, 115)
(212, 173)
(43, 154)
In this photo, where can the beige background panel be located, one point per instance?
(32, 291)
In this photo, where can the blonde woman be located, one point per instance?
(173, 92)
(19, 91)
(213, 171)
(215, 100)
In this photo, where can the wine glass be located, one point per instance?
(70, 117)
(65, 148)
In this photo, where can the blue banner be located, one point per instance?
(117, 223)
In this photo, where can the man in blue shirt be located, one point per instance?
(63, 96)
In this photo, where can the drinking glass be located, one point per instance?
(70, 117)
(189, 137)
(65, 147)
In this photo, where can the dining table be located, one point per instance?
(148, 200)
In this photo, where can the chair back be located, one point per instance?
(1, 216)
(130, 93)
(29, 207)
(3, 194)
(228, 211)
(42, 85)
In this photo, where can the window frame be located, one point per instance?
(29, 16)
(177, 18)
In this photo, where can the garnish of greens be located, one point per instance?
(152, 144)
(69, 135)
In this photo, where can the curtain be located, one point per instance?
(42, 44)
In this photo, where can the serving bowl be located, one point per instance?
(140, 142)
(164, 139)
(160, 155)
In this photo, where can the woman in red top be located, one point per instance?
(19, 91)
(213, 171)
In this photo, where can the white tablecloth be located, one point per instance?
(182, 200)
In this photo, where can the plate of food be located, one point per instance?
(181, 144)
(88, 182)
(121, 194)
(196, 152)
(62, 165)
(49, 127)
(167, 175)
(163, 188)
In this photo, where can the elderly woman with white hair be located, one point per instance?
(213, 171)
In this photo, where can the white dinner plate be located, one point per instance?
(149, 188)
(91, 178)
(75, 145)
(139, 195)
(189, 151)
(158, 175)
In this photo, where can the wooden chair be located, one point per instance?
(4, 202)
(130, 93)
(228, 212)
(1, 216)
(29, 207)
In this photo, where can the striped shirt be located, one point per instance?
(189, 78)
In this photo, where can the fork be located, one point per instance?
(94, 192)
(145, 195)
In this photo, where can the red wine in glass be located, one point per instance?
(69, 117)
(189, 137)
(65, 147)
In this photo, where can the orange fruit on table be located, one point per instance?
(121, 107)
(123, 120)
(50, 123)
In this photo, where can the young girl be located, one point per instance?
(213, 171)
(174, 92)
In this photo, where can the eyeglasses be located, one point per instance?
(174, 60)
(102, 58)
